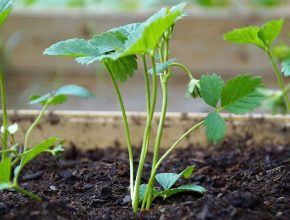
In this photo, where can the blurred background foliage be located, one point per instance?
(145, 4)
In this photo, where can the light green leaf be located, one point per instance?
(181, 189)
(167, 180)
(240, 94)
(146, 37)
(122, 68)
(286, 67)
(142, 191)
(60, 95)
(211, 87)
(281, 52)
(161, 67)
(56, 150)
(215, 127)
(73, 48)
(5, 171)
(270, 31)
(35, 151)
(245, 35)
(193, 89)
(5, 186)
(5, 9)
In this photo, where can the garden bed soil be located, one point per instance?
(244, 181)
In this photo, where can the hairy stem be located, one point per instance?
(146, 138)
(280, 80)
(154, 170)
(4, 116)
(127, 130)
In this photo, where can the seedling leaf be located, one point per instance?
(160, 68)
(215, 127)
(245, 35)
(211, 87)
(35, 151)
(142, 191)
(240, 94)
(286, 67)
(5, 171)
(5, 9)
(270, 31)
(184, 188)
(167, 180)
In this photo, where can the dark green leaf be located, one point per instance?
(5, 9)
(35, 151)
(181, 189)
(5, 170)
(215, 127)
(270, 31)
(240, 94)
(211, 87)
(286, 67)
(193, 89)
(246, 35)
(161, 67)
(167, 180)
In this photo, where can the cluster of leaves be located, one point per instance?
(264, 37)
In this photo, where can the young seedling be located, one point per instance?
(263, 37)
(14, 157)
(118, 49)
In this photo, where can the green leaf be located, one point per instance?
(146, 37)
(281, 52)
(215, 127)
(270, 31)
(211, 87)
(5, 186)
(142, 191)
(161, 67)
(286, 67)
(35, 151)
(60, 95)
(73, 48)
(122, 68)
(5, 9)
(273, 100)
(240, 94)
(5, 171)
(246, 35)
(181, 189)
(193, 89)
(58, 149)
(167, 180)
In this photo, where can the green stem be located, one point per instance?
(147, 84)
(280, 80)
(146, 139)
(4, 115)
(184, 68)
(26, 193)
(127, 130)
(154, 170)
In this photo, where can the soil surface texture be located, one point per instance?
(244, 181)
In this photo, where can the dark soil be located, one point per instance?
(244, 181)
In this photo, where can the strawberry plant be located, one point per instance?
(118, 50)
(14, 157)
(263, 37)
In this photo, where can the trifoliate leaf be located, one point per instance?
(184, 188)
(167, 180)
(286, 67)
(193, 89)
(211, 87)
(270, 31)
(246, 35)
(215, 127)
(5, 9)
(240, 94)
(160, 68)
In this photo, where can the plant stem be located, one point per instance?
(26, 193)
(4, 115)
(127, 130)
(147, 84)
(146, 138)
(154, 170)
(184, 68)
(30, 129)
(280, 80)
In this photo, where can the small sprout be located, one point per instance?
(193, 89)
